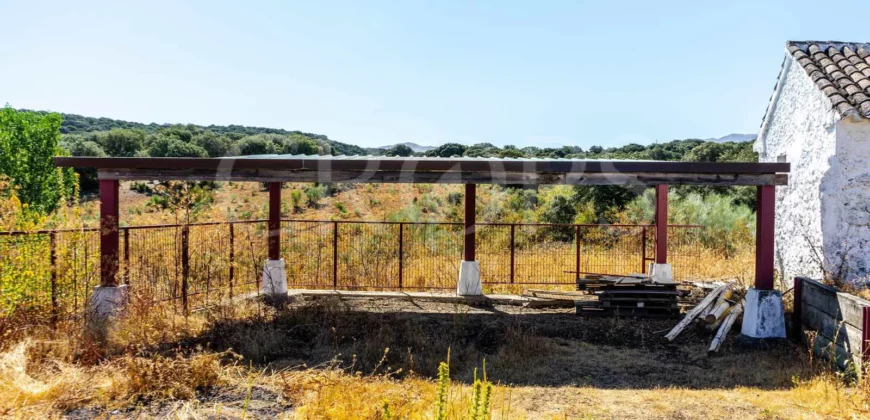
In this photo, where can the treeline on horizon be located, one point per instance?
(88, 136)
(238, 140)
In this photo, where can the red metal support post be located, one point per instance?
(470, 200)
(661, 221)
(764, 237)
(109, 233)
(274, 220)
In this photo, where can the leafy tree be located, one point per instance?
(722, 152)
(80, 146)
(560, 210)
(120, 142)
(295, 145)
(447, 150)
(707, 152)
(607, 200)
(256, 145)
(482, 150)
(596, 150)
(28, 143)
(77, 124)
(400, 150)
(171, 147)
(214, 144)
(511, 152)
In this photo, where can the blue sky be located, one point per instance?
(376, 73)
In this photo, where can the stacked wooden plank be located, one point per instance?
(629, 296)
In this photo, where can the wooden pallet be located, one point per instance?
(635, 297)
(592, 311)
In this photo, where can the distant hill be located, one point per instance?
(78, 124)
(238, 140)
(414, 146)
(735, 137)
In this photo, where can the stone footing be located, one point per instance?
(469, 279)
(274, 286)
(763, 316)
(107, 304)
(661, 272)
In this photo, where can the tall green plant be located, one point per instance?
(443, 388)
(727, 224)
(28, 143)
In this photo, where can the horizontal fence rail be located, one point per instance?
(195, 265)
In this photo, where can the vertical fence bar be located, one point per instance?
(577, 259)
(52, 240)
(126, 256)
(401, 251)
(513, 251)
(335, 255)
(232, 256)
(185, 265)
(643, 251)
(797, 312)
(865, 335)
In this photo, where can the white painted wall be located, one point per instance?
(847, 217)
(801, 128)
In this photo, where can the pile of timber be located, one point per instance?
(717, 312)
(633, 295)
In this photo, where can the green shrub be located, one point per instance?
(560, 210)
(455, 198)
(314, 195)
(296, 199)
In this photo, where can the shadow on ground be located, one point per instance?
(521, 346)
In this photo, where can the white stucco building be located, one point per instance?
(817, 120)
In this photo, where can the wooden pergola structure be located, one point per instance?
(277, 169)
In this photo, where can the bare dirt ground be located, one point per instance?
(549, 363)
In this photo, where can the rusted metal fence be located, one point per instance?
(200, 264)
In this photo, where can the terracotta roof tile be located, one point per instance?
(841, 70)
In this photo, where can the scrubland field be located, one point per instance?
(380, 359)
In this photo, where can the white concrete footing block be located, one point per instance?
(469, 279)
(763, 316)
(107, 304)
(274, 278)
(661, 273)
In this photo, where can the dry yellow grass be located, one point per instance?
(53, 376)
(50, 390)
